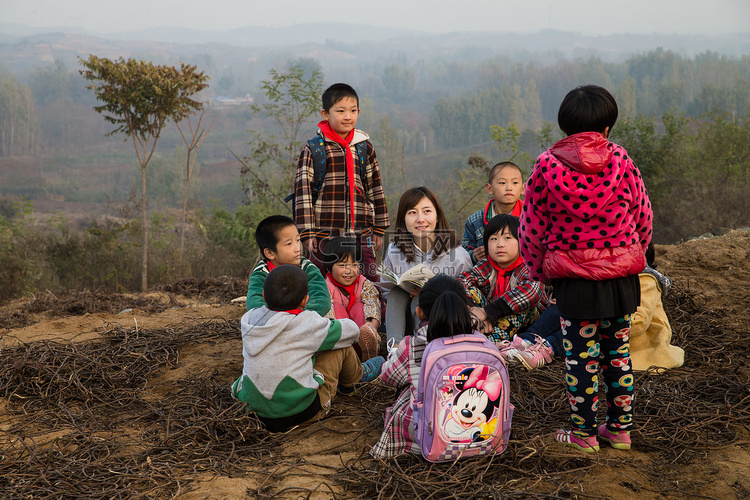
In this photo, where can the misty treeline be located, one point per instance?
(434, 123)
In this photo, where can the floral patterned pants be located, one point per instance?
(592, 347)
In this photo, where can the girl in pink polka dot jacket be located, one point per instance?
(585, 226)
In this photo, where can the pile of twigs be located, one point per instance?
(223, 288)
(78, 303)
(80, 423)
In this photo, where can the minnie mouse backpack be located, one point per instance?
(462, 408)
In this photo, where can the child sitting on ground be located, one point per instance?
(281, 342)
(401, 370)
(279, 243)
(505, 185)
(506, 299)
(352, 295)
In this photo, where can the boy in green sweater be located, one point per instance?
(295, 359)
(279, 243)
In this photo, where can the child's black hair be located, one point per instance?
(339, 249)
(336, 92)
(285, 288)
(267, 232)
(496, 168)
(449, 317)
(497, 224)
(588, 108)
(435, 287)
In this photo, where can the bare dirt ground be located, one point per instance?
(127, 396)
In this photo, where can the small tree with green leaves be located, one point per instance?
(291, 98)
(139, 99)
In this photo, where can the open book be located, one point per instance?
(411, 281)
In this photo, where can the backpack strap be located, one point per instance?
(318, 152)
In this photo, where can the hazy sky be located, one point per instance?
(587, 17)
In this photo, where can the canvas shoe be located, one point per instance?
(392, 347)
(532, 357)
(371, 369)
(586, 445)
(369, 342)
(619, 440)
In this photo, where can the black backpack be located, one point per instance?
(318, 151)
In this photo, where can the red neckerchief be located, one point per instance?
(347, 288)
(503, 274)
(293, 311)
(515, 211)
(271, 266)
(346, 144)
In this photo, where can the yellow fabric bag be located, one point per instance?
(650, 333)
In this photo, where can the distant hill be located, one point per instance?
(22, 46)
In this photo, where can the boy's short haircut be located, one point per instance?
(497, 224)
(267, 232)
(500, 166)
(336, 92)
(338, 249)
(285, 288)
(588, 108)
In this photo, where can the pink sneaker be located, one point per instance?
(531, 357)
(586, 445)
(515, 343)
(619, 440)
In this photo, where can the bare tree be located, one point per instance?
(192, 144)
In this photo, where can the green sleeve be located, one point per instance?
(320, 299)
(255, 289)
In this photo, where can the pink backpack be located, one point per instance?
(462, 408)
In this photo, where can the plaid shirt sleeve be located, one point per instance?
(478, 277)
(374, 190)
(522, 296)
(304, 211)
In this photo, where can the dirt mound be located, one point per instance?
(127, 396)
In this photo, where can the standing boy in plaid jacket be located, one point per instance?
(350, 200)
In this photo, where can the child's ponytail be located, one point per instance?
(449, 317)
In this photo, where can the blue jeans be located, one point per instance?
(548, 327)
